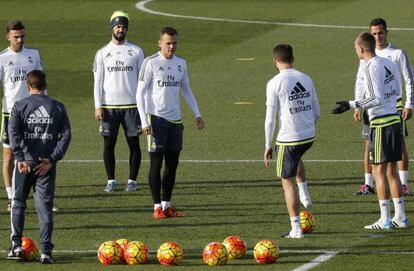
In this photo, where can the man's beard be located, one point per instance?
(119, 37)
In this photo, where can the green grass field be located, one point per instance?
(230, 192)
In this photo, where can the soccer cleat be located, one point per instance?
(110, 187)
(158, 214)
(171, 212)
(132, 186)
(379, 225)
(406, 191)
(46, 259)
(293, 235)
(9, 206)
(306, 202)
(400, 224)
(365, 190)
(15, 254)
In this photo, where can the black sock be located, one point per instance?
(109, 156)
(168, 177)
(154, 176)
(134, 157)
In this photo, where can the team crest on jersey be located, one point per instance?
(130, 52)
(179, 68)
(30, 59)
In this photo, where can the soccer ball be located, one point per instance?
(122, 242)
(236, 247)
(215, 253)
(170, 253)
(266, 251)
(30, 249)
(136, 252)
(307, 221)
(110, 252)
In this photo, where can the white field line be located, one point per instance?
(141, 6)
(219, 161)
(317, 261)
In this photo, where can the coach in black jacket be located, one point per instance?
(39, 131)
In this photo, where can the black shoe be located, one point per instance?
(15, 254)
(46, 259)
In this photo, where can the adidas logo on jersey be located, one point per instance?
(11, 63)
(298, 92)
(40, 116)
(388, 76)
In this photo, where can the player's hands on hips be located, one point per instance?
(342, 107)
(407, 113)
(268, 155)
(23, 167)
(147, 130)
(357, 115)
(42, 168)
(99, 114)
(200, 123)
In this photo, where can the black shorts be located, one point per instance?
(4, 134)
(166, 135)
(385, 144)
(114, 117)
(288, 157)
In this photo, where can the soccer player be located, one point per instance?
(39, 134)
(381, 92)
(162, 79)
(378, 27)
(292, 96)
(116, 69)
(15, 62)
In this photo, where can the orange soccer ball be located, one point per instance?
(307, 221)
(136, 252)
(30, 249)
(170, 253)
(266, 251)
(110, 252)
(215, 253)
(236, 247)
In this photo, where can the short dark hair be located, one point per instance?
(171, 31)
(36, 79)
(379, 21)
(283, 53)
(14, 25)
(367, 41)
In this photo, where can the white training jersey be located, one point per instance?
(381, 88)
(116, 69)
(291, 94)
(160, 83)
(13, 69)
(404, 69)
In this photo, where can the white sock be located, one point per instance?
(131, 181)
(399, 210)
(295, 223)
(9, 192)
(369, 179)
(156, 206)
(111, 181)
(403, 176)
(385, 210)
(303, 190)
(165, 205)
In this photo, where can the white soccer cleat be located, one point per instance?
(306, 202)
(131, 186)
(400, 224)
(110, 187)
(293, 235)
(379, 225)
